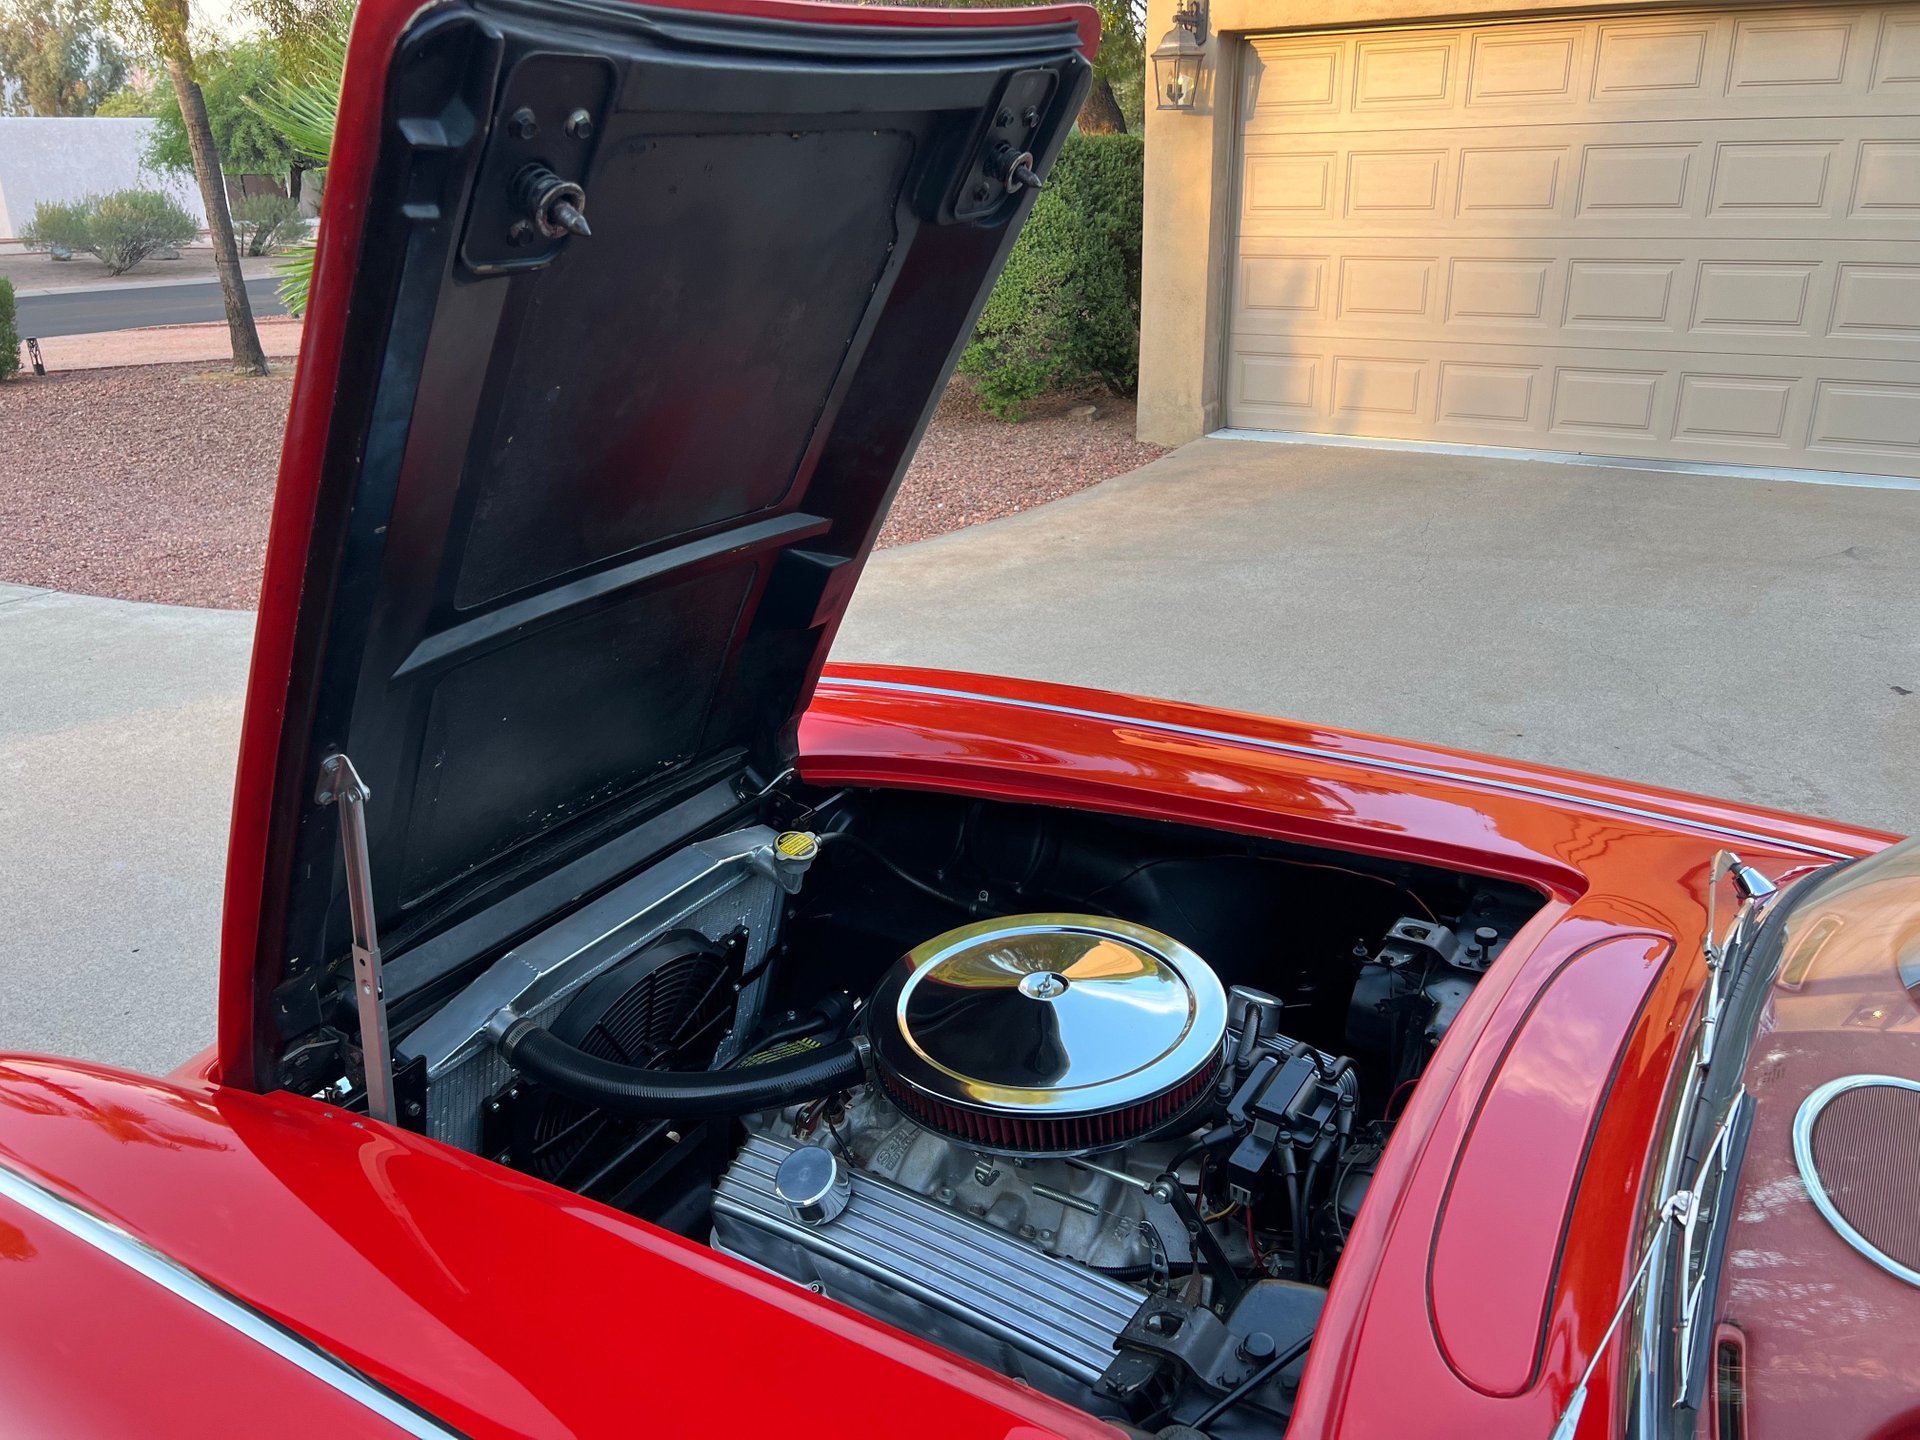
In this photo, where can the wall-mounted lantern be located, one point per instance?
(1176, 59)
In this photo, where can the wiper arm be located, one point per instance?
(1753, 888)
(1673, 1210)
(1687, 1209)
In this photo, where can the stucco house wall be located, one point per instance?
(60, 158)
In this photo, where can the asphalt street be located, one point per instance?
(129, 307)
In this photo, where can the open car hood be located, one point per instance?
(567, 521)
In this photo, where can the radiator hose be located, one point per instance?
(673, 1094)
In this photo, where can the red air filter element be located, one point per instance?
(1014, 1133)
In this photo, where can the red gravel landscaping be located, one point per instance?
(155, 483)
(149, 484)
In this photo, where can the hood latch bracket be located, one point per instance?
(341, 785)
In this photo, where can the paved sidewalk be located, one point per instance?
(37, 273)
(165, 345)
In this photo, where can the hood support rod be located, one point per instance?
(340, 784)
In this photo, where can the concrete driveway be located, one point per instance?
(1750, 639)
(118, 726)
(1745, 638)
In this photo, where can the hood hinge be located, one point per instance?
(340, 784)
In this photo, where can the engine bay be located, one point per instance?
(1090, 1100)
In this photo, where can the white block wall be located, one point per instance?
(60, 158)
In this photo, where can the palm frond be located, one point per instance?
(295, 273)
(306, 112)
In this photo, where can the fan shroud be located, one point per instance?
(665, 1007)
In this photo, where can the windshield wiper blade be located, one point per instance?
(1753, 888)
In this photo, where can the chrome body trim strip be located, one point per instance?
(143, 1259)
(1362, 762)
(1803, 1122)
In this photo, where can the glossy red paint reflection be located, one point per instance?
(1525, 1151)
(162, 1370)
(500, 1305)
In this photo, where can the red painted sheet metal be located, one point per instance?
(506, 1308)
(280, 675)
(1502, 1228)
(165, 1370)
(1617, 859)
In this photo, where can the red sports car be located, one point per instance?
(629, 1027)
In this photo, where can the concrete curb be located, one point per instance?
(101, 287)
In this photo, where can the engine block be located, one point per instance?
(933, 1272)
(1014, 1261)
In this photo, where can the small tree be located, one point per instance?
(247, 144)
(122, 229)
(59, 226)
(9, 332)
(129, 225)
(264, 221)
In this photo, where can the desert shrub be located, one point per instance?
(1066, 309)
(265, 221)
(121, 229)
(9, 332)
(129, 225)
(59, 226)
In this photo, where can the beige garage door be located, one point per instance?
(1687, 236)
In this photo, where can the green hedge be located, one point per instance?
(1066, 310)
(9, 332)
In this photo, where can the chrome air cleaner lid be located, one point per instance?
(1048, 1033)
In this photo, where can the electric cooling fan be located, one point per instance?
(665, 1007)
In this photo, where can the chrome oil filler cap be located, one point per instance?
(814, 1183)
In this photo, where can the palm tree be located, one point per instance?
(163, 24)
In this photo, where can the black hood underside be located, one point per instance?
(594, 503)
